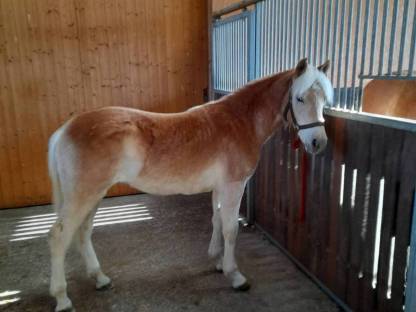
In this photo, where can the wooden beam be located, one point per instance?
(234, 7)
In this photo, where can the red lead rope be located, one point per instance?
(303, 174)
(304, 177)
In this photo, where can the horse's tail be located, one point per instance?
(57, 197)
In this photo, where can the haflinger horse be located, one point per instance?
(212, 147)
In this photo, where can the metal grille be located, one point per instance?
(372, 39)
(230, 53)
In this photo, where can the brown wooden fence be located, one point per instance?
(345, 215)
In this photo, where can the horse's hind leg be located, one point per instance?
(70, 217)
(88, 253)
(216, 243)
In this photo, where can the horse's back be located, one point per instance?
(395, 98)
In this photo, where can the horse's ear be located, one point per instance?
(301, 67)
(324, 67)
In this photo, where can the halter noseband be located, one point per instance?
(289, 108)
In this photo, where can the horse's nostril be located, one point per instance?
(315, 143)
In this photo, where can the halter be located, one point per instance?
(289, 108)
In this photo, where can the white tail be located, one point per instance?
(53, 169)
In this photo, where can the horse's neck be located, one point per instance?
(261, 102)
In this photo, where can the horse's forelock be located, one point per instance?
(308, 78)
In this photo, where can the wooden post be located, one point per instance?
(410, 303)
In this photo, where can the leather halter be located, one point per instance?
(289, 108)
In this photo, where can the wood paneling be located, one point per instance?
(60, 58)
(337, 239)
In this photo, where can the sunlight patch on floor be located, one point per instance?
(8, 296)
(31, 227)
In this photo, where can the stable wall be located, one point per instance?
(60, 58)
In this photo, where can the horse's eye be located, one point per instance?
(299, 99)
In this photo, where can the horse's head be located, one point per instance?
(310, 91)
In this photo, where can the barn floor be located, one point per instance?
(155, 250)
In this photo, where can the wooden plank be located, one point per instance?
(337, 136)
(344, 225)
(359, 206)
(368, 293)
(325, 209)
(394, 139)
(403, 221)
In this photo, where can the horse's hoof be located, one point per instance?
(243, 287)
(104, 287)
(219, 270)
(69, 309)
(64, 305)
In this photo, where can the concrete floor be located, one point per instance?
(155, 250)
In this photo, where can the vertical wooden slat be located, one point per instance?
(345, 212)
(359, 212)
(368, 294)
(403, 221)
(391, 174)
(324, 207)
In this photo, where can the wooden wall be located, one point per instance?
(345, 211)
(59, 58)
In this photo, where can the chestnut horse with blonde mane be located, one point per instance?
(212, 147)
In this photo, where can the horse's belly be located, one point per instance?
(183, 183)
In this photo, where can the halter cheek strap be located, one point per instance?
(289, 109)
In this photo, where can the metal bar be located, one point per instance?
(302, 268)
(403, 35)
(251, 43)
(273, 35)
(384, 77)
(286, 38)
(316, 32)
(374, 34)
(277, 35)
(310, 30)
(280, 61)
(305, 23)
(220, 60)
(299, 29)
(383, 37)
(228, 49)
(321, 47)
(374, 119)
(295, 32)
(328, 32)
(256, 43)
(334, 41)
(234, 7)
(289, 15)
(412, 48)
(358, 105)
(410, 298)
(340, 48)
(263, 36)
(285, 31)
(347, 56)
(354, 64)
(269, 36)
(392, 37)
(232, 56)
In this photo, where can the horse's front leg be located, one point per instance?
(229, 198)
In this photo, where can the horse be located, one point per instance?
(212, 147)
(396, 98)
